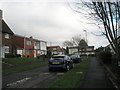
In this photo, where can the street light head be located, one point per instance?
(86, 34)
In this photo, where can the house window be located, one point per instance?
(7, 35)
(28, 51)
(54, 48)
(29, 43)
(36, 45)
(42, 45)
(6, 49)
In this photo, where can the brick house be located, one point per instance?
(18, 44)
(29, 47)
(6, 47)
(24, 46)
(55, 50)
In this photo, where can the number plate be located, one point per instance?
(56, 63)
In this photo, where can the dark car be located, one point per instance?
(76, 58)
(60, 62)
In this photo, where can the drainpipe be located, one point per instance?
(24, 47)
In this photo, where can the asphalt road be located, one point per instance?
(41, 77)
(35, 78)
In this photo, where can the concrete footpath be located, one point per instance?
(97, 76)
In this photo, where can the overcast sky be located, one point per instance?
(52, 21)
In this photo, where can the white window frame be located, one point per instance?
(6, 48)
(29, 43)
(28, 51)
(54, 48)
(7, 35)
(43, 46)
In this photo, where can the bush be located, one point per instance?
(18, 55)
(9, 55)
(38, 57)
(105, 56)
(12, 55)
(91, 55)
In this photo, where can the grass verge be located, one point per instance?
(73, 78)
(18, 61)
(23, 68)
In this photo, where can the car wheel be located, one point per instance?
(67, 68)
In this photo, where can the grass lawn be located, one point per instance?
(24, 62)
(73, 78)
(18, 61)
(23, 68)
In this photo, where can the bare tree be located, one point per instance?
(76, 40)
(67, 43)
(108, 14)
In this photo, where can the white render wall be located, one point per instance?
(119, 29)
(43, 46)
(37, 45)
(72, 51)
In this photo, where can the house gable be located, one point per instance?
(6, 29)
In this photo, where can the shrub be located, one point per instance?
(105, 56)
(12, 55)
(91, 55)
(18, 55)
(38, 57)
(9, 55)
(28, 56)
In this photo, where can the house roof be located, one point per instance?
(5, 28)
(90, 46)
(52, 46)
(39, 40)
(77, 47)
(72, 47)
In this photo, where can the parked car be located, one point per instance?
(76, 58)
(60, 62)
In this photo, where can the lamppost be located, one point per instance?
(85, 34)
(85, 49)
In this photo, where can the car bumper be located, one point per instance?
(75, 60)
(57, 66)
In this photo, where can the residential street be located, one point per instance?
(40, 77)
(36, 78)
(60, 44)
(97, 77)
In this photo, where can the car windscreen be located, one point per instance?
(58, 57)
(73, 56)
